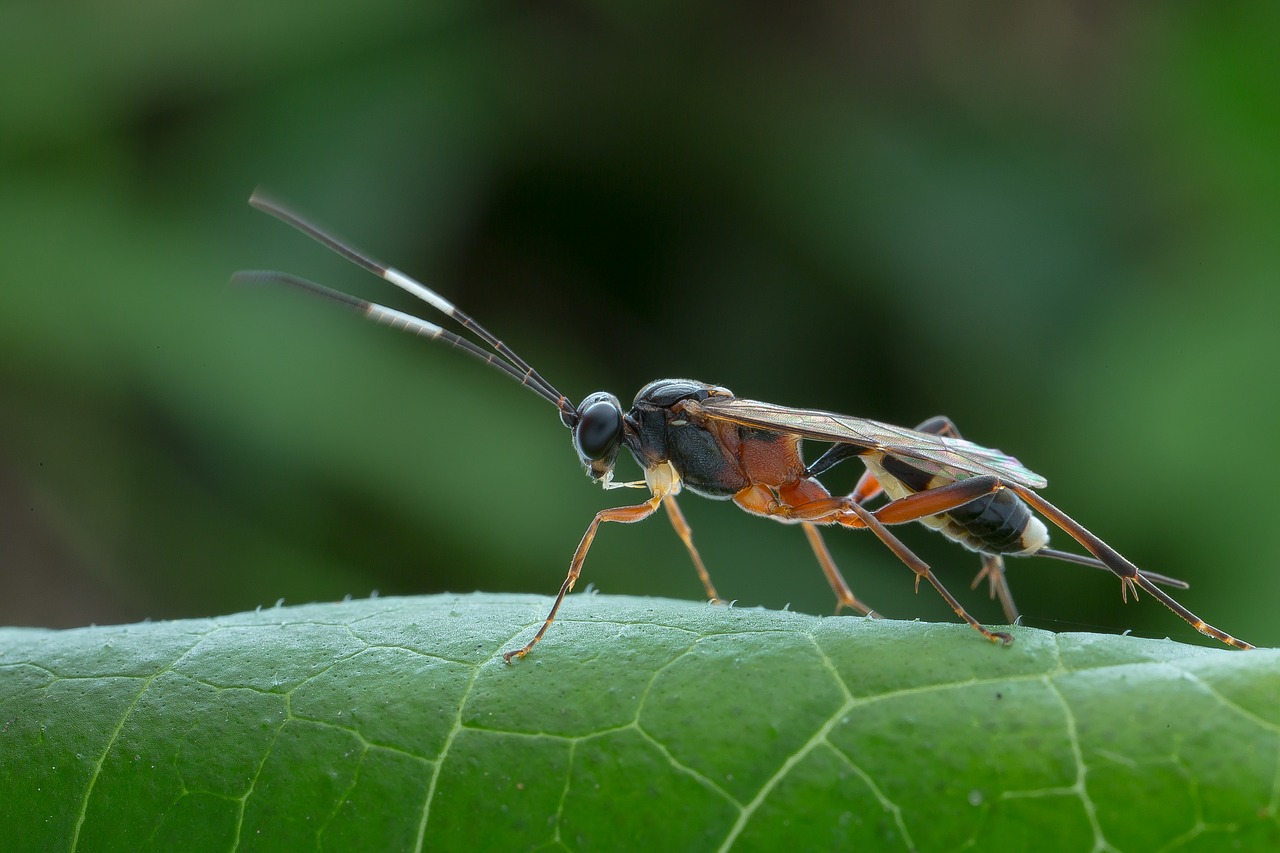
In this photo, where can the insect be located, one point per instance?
(690, 435)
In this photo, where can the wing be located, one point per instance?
(953, 457)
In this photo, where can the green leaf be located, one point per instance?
(393, 724)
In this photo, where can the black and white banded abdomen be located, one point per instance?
(998, 523)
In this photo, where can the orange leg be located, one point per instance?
(686, 536)
(831, 510)
(623, 514)
(1130, 576)
(948, 497)
(844, 595)
(945, 498)
(922, 570)
(913, 507)
(992, 564)
(916, 506)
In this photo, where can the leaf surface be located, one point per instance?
(393, 724)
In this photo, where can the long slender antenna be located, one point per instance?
(510, 363)
(399, 320)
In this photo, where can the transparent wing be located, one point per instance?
(953, 457)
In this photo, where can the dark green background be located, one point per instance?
(1056, 223)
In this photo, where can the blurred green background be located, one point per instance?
(1055, 222)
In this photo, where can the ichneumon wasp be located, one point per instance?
(690, 435)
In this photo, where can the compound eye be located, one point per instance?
(597, 432)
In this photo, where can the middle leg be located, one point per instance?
(686, 536)
(992, 564)
(844, 595)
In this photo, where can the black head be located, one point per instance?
(597, 434)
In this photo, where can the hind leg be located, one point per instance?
(992, 564)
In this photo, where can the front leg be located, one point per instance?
(623, 514)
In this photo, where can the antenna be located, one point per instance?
(505, 359)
